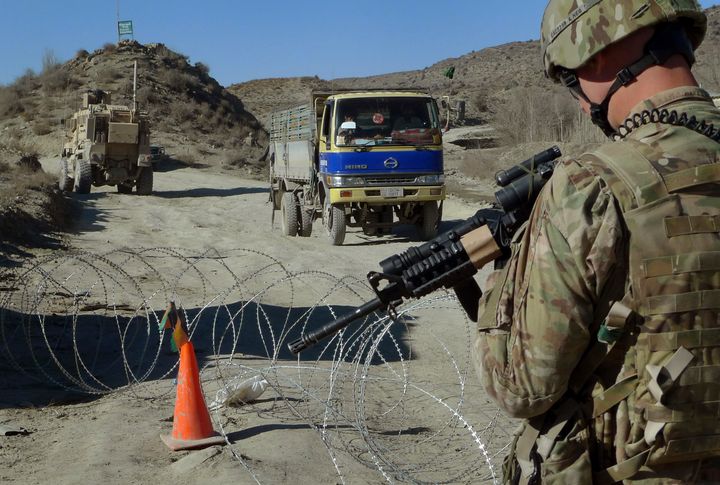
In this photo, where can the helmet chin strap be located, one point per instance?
(669, 39)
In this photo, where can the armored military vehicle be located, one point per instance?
(106, 144)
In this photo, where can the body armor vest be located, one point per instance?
(671, 208)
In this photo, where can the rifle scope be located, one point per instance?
(533, 173)
(505, 177)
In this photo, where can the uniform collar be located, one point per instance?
(671, 96)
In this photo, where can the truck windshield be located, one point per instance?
(405, 121)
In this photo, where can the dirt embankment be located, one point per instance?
(33, 211)
(191, 114)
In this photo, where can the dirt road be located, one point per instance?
(401, 404)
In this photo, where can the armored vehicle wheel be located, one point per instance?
(306, 221)
(428, 225)
(83, 177)
(289, 209)
(144, 182)
(334, 222)
(124, 188)
(65, 181)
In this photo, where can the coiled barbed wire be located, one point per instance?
(89, 323)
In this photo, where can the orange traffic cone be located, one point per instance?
(192, 428)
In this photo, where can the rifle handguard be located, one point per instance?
(481, 247)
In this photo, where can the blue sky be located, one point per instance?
(243, 40)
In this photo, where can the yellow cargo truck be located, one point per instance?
(369, 159)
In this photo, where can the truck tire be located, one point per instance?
(144, 182)
(428, 225)
(306, 221)
(65, 181)
(83, 177)
(334, 222)
(124, 188)
(386, 217)
(290, 211)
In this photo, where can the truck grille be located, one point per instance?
(389, 180)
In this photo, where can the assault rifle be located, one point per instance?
(452, 259)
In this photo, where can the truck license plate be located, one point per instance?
(392, 192)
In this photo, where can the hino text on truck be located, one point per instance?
(367, 159)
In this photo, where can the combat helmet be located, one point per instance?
(573, 31)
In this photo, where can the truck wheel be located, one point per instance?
(306, 222)
(334, 222)
(83, 177)
(144, 182)
(65, 181)
(289, 209)
(428, 225)
(124, 188)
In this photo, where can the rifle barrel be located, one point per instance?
(315, 336)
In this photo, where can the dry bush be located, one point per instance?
(17, 143)
(108, 75)
(203, 68)
(50, 61)
(58, 80)
(216, 142)
(177, 81)
(188, 158)
(171, 57)
(584, 131)
(42, 127)
(23, 180)
(110, 47)
(146, 95)
(482, 101)
(11, 103)
(29, 162)
(162, 51)
(527, 115)
(26, 83)
(181, 113)
(82, 54)
(233, 161)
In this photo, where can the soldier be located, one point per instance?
(603, 328)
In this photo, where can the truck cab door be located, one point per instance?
(325, 126)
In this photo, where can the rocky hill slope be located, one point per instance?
(190, 112)
(481, 77)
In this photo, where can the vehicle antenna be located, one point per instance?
(135, 86)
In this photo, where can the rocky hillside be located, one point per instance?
(480, 77)
(197, 119)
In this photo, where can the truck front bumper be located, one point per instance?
(387, 195)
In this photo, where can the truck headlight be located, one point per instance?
(431, 179)
(339, 181)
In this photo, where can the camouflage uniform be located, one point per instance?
(569, 265)
(603, 330)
